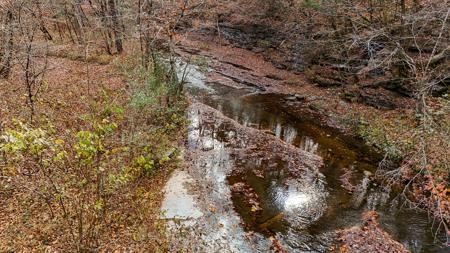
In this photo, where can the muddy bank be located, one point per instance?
(274, 44)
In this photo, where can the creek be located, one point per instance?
(268, 201)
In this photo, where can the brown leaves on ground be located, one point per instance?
(249, 194)
(73, 89)
(368, 238)
(345, 179)
(276, 246)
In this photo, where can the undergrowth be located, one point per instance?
(95, 185)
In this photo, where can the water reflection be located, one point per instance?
(215, 224)
(306, 204)
(308, 144)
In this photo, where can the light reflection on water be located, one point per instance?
(295, 200)
(290, 198)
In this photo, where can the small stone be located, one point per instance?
(300, 96)
(291, 98)
(368, 173)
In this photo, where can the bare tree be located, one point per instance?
(31, 56)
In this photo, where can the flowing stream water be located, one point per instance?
(302, 214)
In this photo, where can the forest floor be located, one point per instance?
(72, 91)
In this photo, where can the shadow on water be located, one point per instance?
(329, 205)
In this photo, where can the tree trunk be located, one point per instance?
(6, 56)
(403, 6)
(116, 27)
